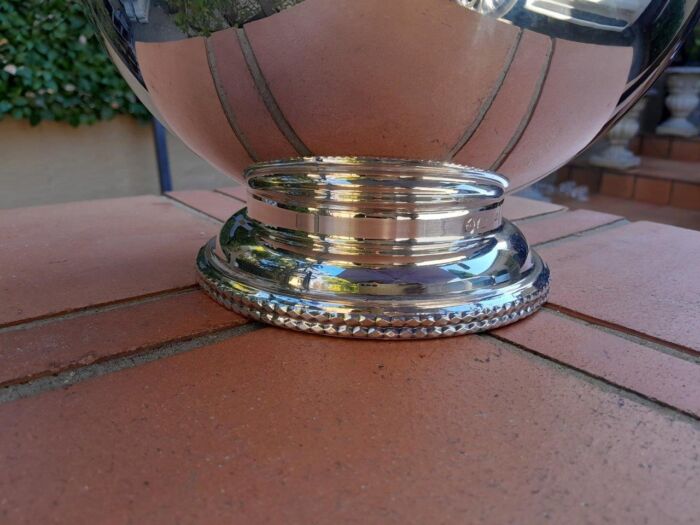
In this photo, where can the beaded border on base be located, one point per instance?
(423, 326)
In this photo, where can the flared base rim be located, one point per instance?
(356, 318)
(374, 248)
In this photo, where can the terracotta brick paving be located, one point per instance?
(237, 192)
(675, 215)
(66, 343)
(549, 228)
(552, 419)
(641, 276)
(214, 204)
(253, 431)
(64, 257)
(515, 208)
(642, 368)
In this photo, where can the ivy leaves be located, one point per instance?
(52, 66)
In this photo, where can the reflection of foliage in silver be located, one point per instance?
(203, 17)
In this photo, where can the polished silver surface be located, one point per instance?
(344, 240)
(452, 281)
(513, 86)
(352, 197)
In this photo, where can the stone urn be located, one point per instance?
(684, 89)
(616, 154)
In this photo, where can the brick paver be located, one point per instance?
(641, 276)
(552, 227)
(280, 427)
(64, 257)
(65, 343)
(237, 192)
(665, 376)
(515, 208)
(211, 203)
(553, 419)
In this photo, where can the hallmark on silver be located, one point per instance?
(472, 225)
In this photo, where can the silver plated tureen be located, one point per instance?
(378, 138)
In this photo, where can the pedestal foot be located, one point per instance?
(374, 248)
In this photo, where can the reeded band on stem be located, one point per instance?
(374, 199)
(379, 248)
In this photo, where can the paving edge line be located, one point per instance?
(674, 350)
(220, 192)
(98, 309)
(601, 382)
(537, 216)
(75, 376)
(582, 233)
(190, 209)
(78, 375)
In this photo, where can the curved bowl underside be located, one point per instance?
(514, 86)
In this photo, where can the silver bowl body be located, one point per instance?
(350, 240)
(514, 86)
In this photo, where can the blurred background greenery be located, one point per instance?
(70, 127)
(52, 66)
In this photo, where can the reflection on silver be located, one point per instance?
(608, 16)
(495, 8)
(510, 86)
(424, 74)
(446, 282)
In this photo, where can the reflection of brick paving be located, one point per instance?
(126, 395)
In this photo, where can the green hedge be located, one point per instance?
(52, 66)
